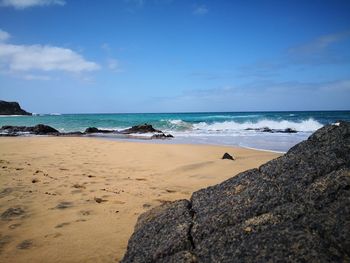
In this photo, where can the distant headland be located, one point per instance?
(11, 108)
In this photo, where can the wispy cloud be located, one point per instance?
(114, 65)
(319, 44)
(265, 95)
(26, 58)
(22, 4)
(36, 77)
(4, 35)
(200, 10)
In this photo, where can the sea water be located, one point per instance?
(218, 128)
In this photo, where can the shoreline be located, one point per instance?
(74, 191)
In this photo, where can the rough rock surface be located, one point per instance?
(295, 208)
(42, 129)
(143, 128)
(11, 108)
(267, 129)
(39, 129)
(96, 130)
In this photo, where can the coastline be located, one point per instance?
(76, 190)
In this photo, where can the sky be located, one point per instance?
(117, 56)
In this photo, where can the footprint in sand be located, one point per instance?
(141, 179)
(25, 244)
(12, 213)
(13, 226)
(79, 186)
(146, 205)
(54, 235)
(4, 240)
(62, 225)
(4, 192)
(64, 205)
(99, 200)
(85, 212)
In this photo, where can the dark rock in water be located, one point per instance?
(91, 130)
(77, 133)
(12, 213)
(143, 128)
(295, 208)
(228, 156)
(42, 129)
(11, 108)
(96, 130)
(39, 129)
(265, 129)
(289, 130)
(161, 136)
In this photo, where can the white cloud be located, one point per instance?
(41, 57)
(4, 35)
(200, 10)
(22, 4)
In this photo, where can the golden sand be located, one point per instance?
(80, 197)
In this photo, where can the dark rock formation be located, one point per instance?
(295, 208)
(227, 156)
(267, 129)
(42, 129)
(39, 129)
(11, 108)
(96, 130)
(161, 136)
(143, 128)
(289, 130)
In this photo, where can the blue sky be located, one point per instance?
(175, 55)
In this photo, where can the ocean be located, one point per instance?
(217, 128)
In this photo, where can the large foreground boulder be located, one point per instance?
(295, 208)
(11, 108)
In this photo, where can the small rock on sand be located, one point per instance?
(228, 156)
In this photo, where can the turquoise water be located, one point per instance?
(223, 128)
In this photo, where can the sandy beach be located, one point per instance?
(78, 199)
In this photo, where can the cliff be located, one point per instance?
(11, 108)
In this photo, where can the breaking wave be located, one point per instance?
(309, 125)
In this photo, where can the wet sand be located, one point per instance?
(78, 199)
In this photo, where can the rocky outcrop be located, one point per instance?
(96, 130)
(161, 136)
(143, 128)
(11, 108)
(39, 129)
(295, 208)
(267, 129)
(42, 129)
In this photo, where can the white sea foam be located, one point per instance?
(309, 125)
